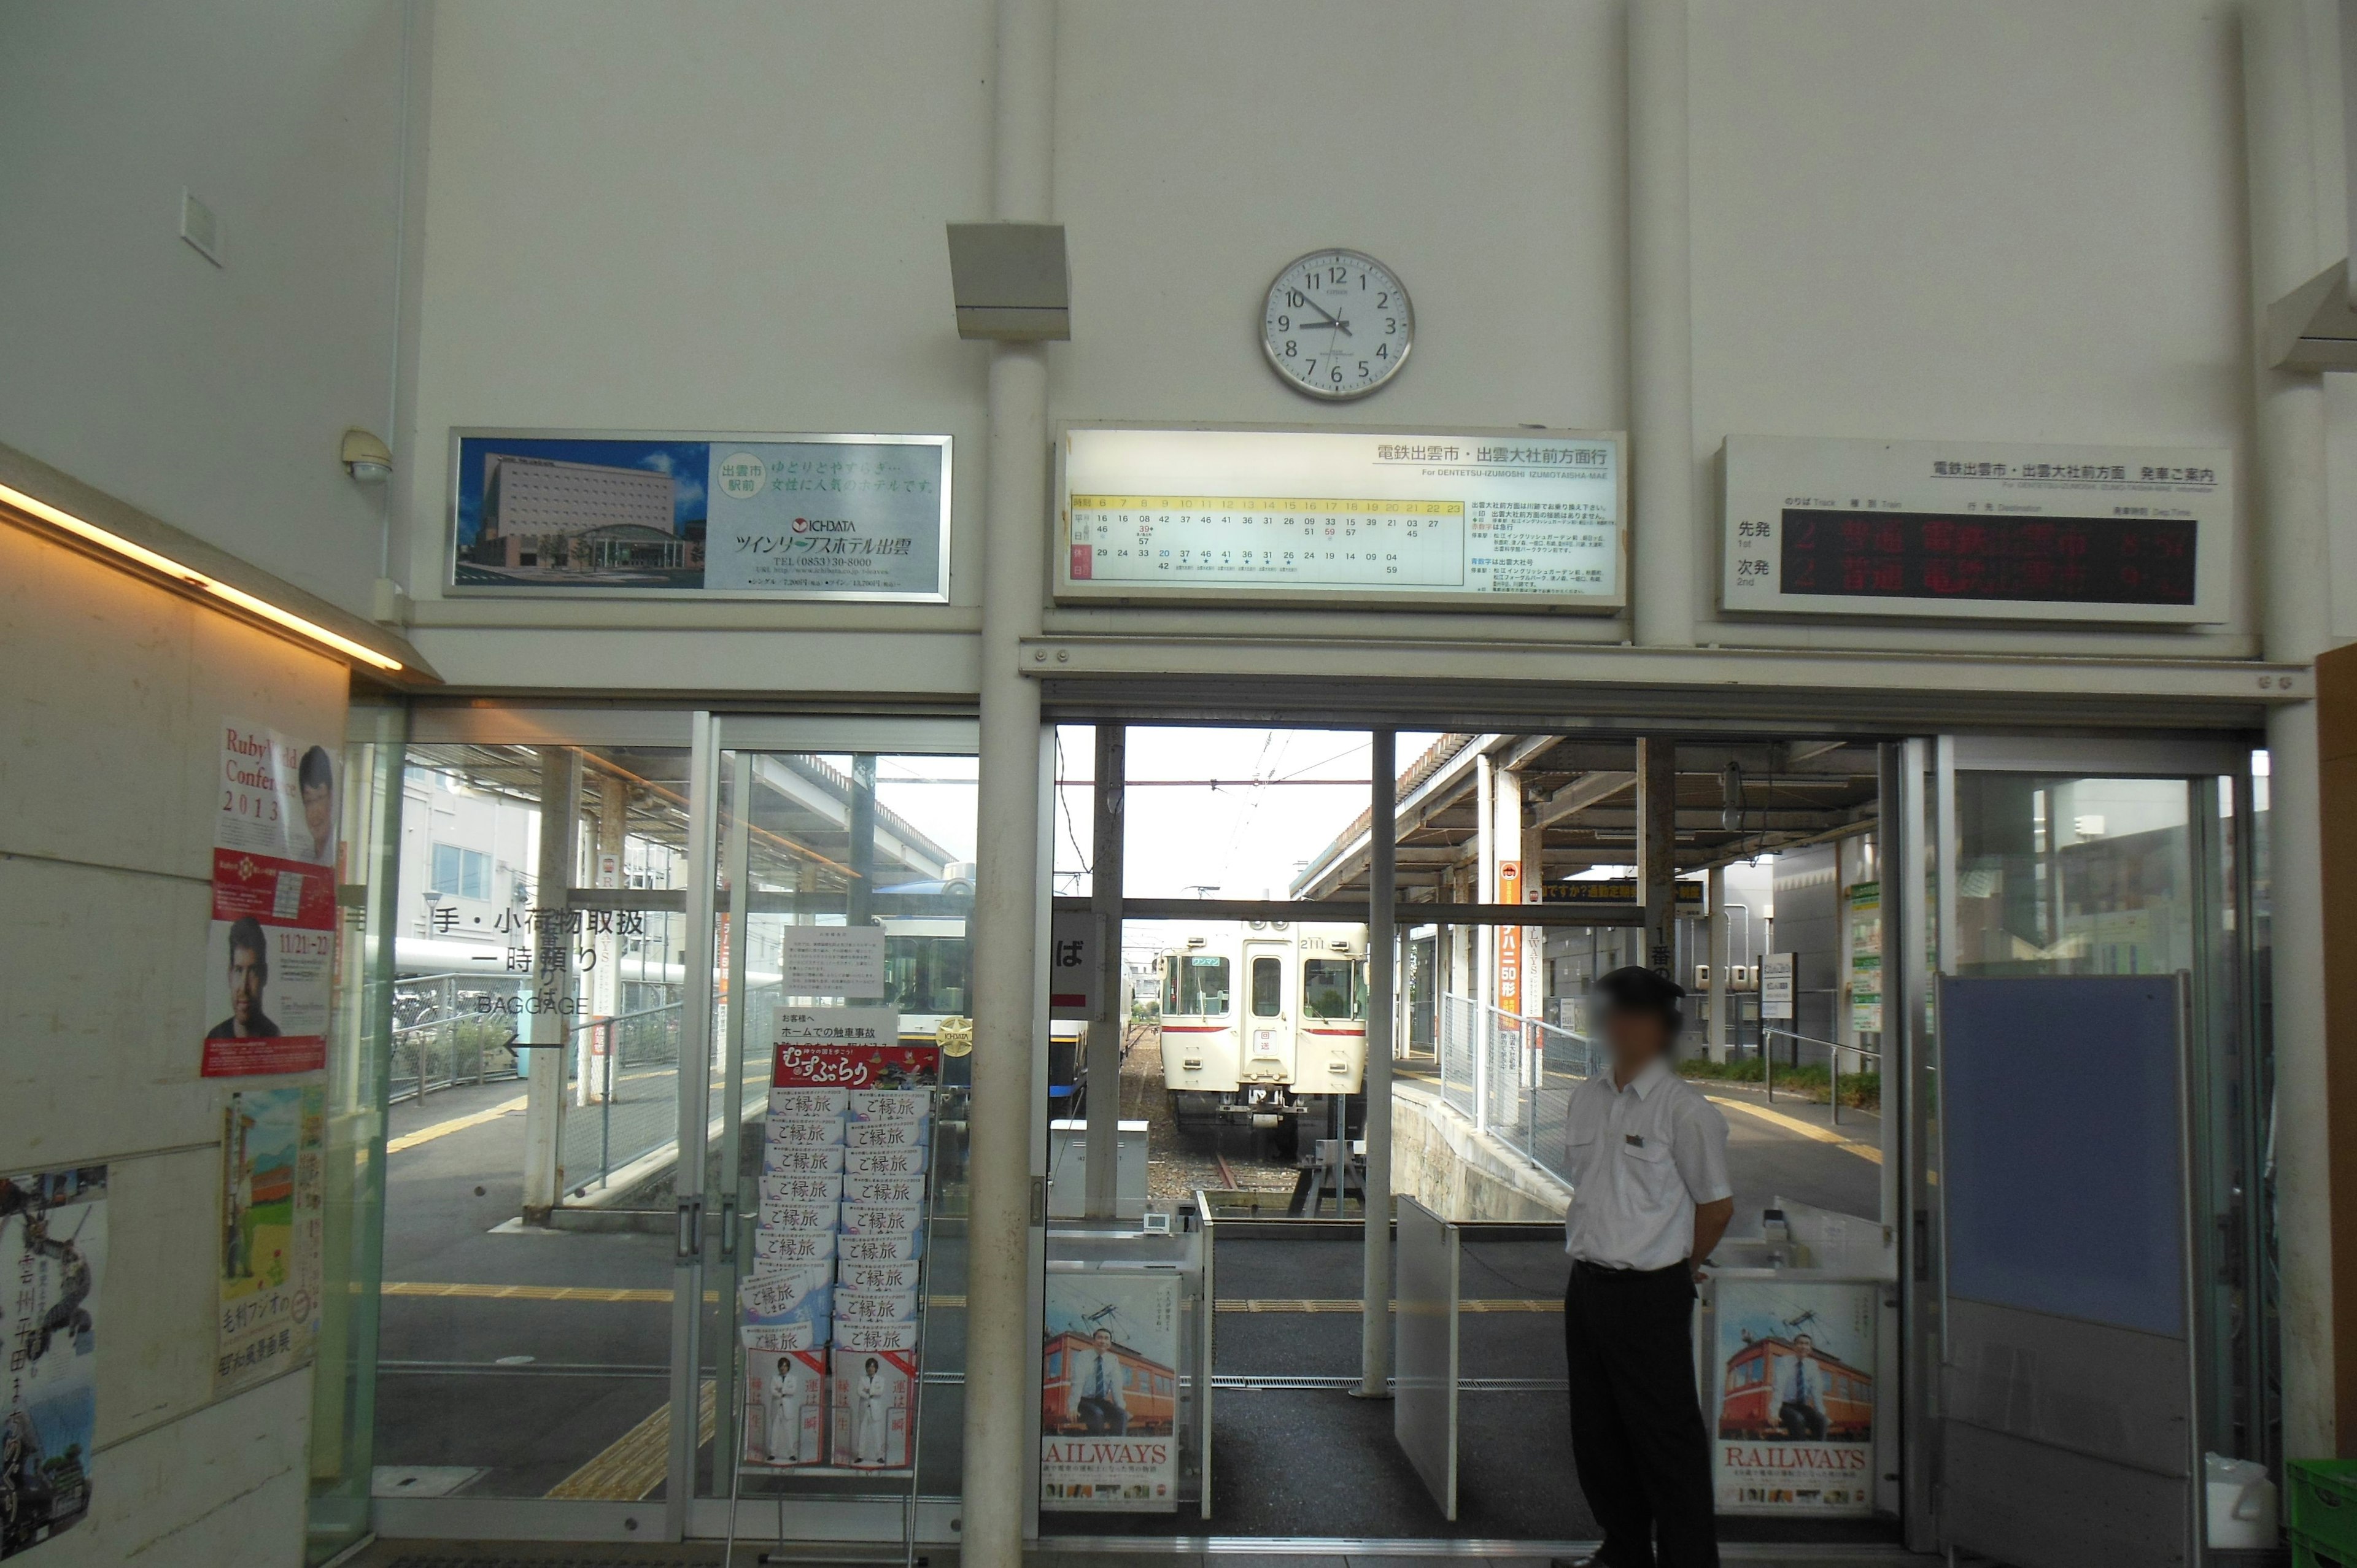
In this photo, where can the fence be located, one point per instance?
(1512, 1075)
(632, 1104)
(631, 1108)
(443, 1053)
(1834, 1054)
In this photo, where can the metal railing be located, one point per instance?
(630, 1108)
(630, 1105)
(1512, 1075)
(443, 1053)
(1834, 1055)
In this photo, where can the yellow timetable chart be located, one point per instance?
(1484, 547)
(1305, 541)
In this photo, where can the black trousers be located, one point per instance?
(1637, 1433)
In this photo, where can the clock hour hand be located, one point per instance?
(1328, 320)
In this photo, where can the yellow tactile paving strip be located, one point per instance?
(632, 1466)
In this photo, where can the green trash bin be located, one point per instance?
(2320, 1497)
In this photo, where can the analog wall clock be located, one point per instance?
(1337, 323)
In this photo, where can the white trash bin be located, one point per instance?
(2241, 1504)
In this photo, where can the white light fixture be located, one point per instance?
(167, 567)
(365, 457)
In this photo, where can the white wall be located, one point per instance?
(1478, 150)
(2017, 219)
(2022, 221)
(213, 397)
(112, 695)
(722, 215)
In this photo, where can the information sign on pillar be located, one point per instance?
(1510, 941)
(1776, 986)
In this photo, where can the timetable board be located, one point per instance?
(1978, 529)
(1511, 520)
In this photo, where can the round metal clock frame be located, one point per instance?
(1277, 361)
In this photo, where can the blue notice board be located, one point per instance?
(2062, 1146)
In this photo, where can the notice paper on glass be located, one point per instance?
(833, 961)
(1521, 519)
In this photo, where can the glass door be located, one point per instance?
(542, 1045)
(2126, 858)
(846, 826)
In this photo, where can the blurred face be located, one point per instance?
(1634, 1038)
(318, 815)
(248, 969)
(1803, 1344)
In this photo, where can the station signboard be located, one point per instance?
(1527, 521)
(1978, 529)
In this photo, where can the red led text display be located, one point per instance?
(1932, 556)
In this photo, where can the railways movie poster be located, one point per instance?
(1794, 1431)
(53, 1256)
(1109, 1393)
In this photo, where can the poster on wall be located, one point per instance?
(271, 1220)
(1865, 958)
(1794, 1426)
(53, 1251)
(1109, 1393)
(269, 963)
(705, 516)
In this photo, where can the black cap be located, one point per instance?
(1635, 989)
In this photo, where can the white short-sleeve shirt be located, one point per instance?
(1640, 1159)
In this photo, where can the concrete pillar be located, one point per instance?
(1518, 959)
(1382, 896)
(594, 1066)
(552, 981)
(859, 893)
(1010, 911)
(1109, 1017)
(1661, 328)
(2288, 112)
(1715, 1038)
(1657, 818)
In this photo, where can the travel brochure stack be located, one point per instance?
(831, 1297)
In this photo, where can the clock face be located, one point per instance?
(1337, 323)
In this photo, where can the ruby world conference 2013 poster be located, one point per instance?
(270, 960)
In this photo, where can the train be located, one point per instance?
(1265, 1022)
(1749, 1405)
(1149, 1391)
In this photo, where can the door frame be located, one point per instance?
(1918, 822)
(2200, 760)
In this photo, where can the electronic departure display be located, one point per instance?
(1978, 529)
(1936, 555)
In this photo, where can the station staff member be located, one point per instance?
(1648, 1162)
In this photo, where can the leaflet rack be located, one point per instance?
(906, 1068)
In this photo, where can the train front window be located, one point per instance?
(1199, 987)
(1333, 988)
(1269, 987)
(927, 974)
